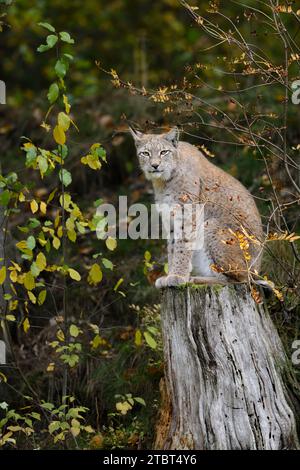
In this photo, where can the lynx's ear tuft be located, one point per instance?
(173, 136)
(137, 135)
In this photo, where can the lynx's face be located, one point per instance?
(157, 153)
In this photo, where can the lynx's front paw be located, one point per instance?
(172, 280)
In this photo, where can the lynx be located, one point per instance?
(232, 228)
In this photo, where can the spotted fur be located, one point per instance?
(181, 174)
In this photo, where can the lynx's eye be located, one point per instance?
(145, 153)
(164, 152)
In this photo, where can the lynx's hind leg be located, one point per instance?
(224, 248)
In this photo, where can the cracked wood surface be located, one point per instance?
(224, 361)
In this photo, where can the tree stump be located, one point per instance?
(223, 373)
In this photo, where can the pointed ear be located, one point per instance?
(173, 136)
(137, 135)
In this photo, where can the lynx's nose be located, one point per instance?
(155, 165)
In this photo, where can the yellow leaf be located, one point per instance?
(70, 223)
(32, 297)
(95, 274)
(294, 238)
(138, 339)
(2, 275)
(74, 274)
(123, 407)
(75, 423)
(3, 377)
(116, 287)
(43, 207)
(65, 200)
(97, 341)
(51, 367)
(59, 135)
(13, 276)
(63, 121)
(15, 266)
(56, 220)
(26, 325)
(66, 103)
(10, 317)
(34, 206)
(13, 305)
(74, 331)
(45, 126)
(75, 431)
(21, 197)
(51, 195)
(72, 235)
(29, 281)
(41, 261)
(42, 297)
(89, 429)
(111, 243)
(22, 245)
(60, 335)
(56, 243)
(92, 161)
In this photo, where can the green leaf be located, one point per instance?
(30, 155)
(68, 56)
(43, 164)
(64, 36)
(107, 263)
(43, 48)
(47, 26)
(35, 271)
(53, 93)
(65, 177)
(63, 121)
(101, 153)
(98, 202)
(51, 40)
(4, 197)
(33, 222)
(54, 426)
(31, 242)
(47, 406)
(150, 340)
(60, 68)
(140, 400)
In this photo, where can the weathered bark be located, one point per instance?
(224, 362)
